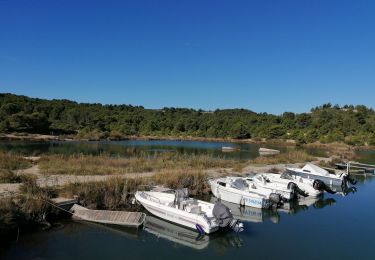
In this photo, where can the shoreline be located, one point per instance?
(279, 142)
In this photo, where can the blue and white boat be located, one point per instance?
(313, 172)
(238, 190)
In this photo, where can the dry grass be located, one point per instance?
(10, 161)
(341, 150)
(7, 176)
(8, 212)
(32, 200)
(30, 206)
(116, 193)
(292, 156)
(194, 180)
(104, 165)
(110, 194)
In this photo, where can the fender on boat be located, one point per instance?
(199, 229)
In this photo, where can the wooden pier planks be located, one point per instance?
(123, 218)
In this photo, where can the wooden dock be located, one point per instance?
(123, 218)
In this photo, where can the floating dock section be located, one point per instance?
(123, 218)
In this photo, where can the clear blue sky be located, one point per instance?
(267, 56)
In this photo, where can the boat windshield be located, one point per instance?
(240, 184)
(286, 176)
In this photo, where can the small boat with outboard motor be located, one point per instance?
(240, 191)
(297, 184)
(311, 171)
(262, 183)
(180, 209)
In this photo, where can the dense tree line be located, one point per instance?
(327, 123)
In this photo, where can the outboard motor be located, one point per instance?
(350, 180)
(277, 199)
(296, 190)
(346, 190)
(225, 217)
(320, 185)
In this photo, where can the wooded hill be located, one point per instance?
(352, 124)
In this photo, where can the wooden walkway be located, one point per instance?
(123, 218)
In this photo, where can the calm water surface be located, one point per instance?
(131, 147)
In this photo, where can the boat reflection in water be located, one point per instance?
(250, 214)
(303, 204)
(255, 215)
(174, 233)
(188, 237)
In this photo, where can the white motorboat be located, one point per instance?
(311, 171)
(238, 190)
(260, 182)
(192, 213)
(300, 186)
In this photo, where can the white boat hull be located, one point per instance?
(238, 197)
(303, 183)
(176, 215)
(270, 187)
(332, 181)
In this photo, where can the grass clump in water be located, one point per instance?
(33, 199)
(111, 194)
(29, 207)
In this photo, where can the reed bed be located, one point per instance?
(105, 165)
(11, 161)
(194, 180)
(7, 176)
(111, 194)
(30, 206)
(116, 193)
(292, 156)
